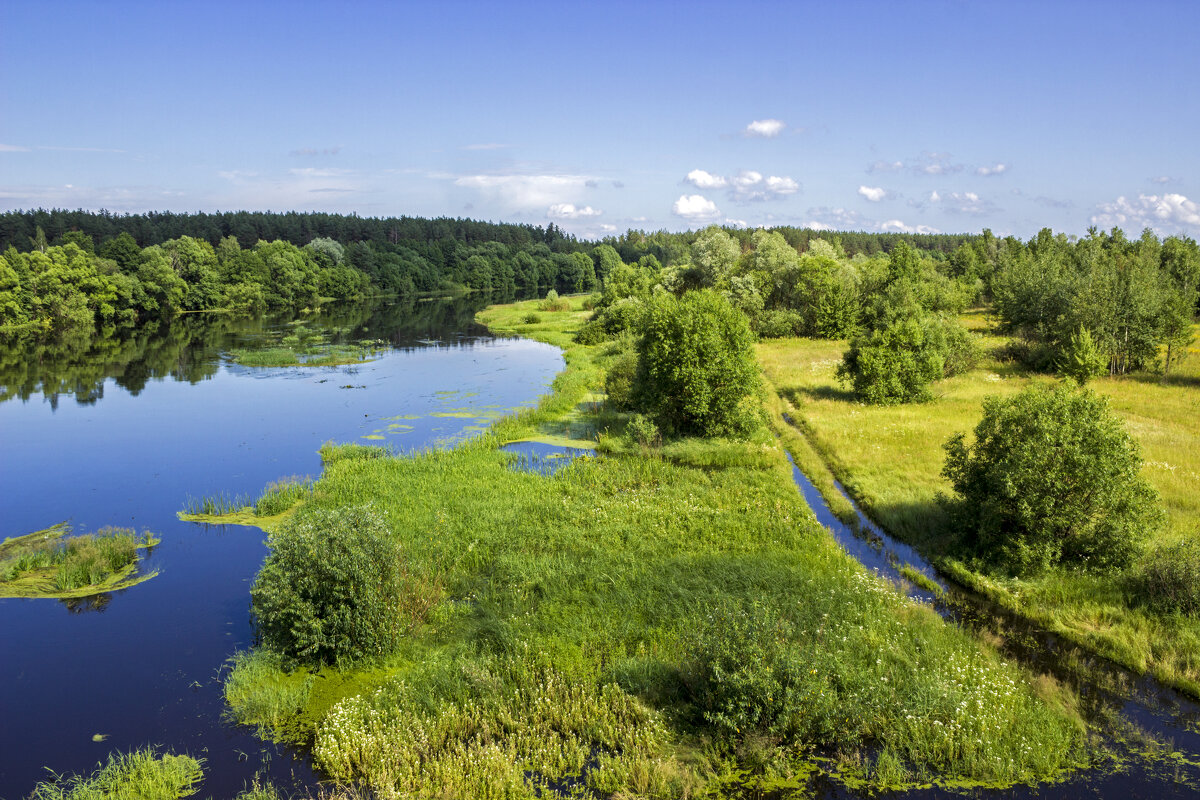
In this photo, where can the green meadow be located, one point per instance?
(654, 622)
(890, 459)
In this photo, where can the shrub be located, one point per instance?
(779, 323)
(1051, 477)
(1168, 580)
(620, 378)
(1082, 359)
(696, 367)
(532, 319)
(591, 332)
(643, 432)
(335, 589)
(553, 302)
(892, 365)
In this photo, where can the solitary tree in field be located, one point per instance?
(1051, 478)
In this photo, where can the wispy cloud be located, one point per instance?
(935, 164)
(765, 128)
(1164, 179)
(13, 148)
(526, 191)
(962, 203)
(309, 152)
(886, 166)
(992, 171)
(825, 218)
(873, 193)
(93, 198)
(695, 208)
(485, 146)
(1167, 213)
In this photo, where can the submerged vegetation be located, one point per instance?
(665, 621)
(48, 563)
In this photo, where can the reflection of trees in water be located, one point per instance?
(189, 347)
(84, 605)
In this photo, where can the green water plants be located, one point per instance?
(48, 563)
(140, 775)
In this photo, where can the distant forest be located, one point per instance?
(1136, 298)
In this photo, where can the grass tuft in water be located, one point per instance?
(140, 775)
(216, 504)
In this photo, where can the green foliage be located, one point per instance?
(1168, 579)
(281, 495)
(88, 560)
(696, 368)
(1082, 359)
(895, 364)
(335, 588)
(621, 377)
(553, 302)
(1052, 477)
(261, 692)
(643, 432)
(532, 319)
(140, 775)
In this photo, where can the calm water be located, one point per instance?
(122, 433)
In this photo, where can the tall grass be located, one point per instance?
(140, 775)
(76, 562)
(890, 460)
(564, 653)
(217, 504)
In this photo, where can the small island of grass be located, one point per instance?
(48, 563)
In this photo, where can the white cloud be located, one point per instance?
(1159, 179)
(526, 191)
(320, 172)
(872, 193)
(886, 166)
(93, 198)
(704, 180)
(766, 128)
(315, 151)
(959, 203)
(736, 223)
(569, 211)
(1166, 213)
(695, 208)
(824, 218)
(898, 226)
(13, 148)
(935, 164)
(485, 146)
(748, 186)
(995, 169)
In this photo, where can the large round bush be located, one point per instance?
(1052, 477)
(696, 368)
(332, 589)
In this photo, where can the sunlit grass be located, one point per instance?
(890, 459)
(140, 775)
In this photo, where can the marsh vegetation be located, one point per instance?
(49, 563)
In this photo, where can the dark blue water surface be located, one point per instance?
(123, 433)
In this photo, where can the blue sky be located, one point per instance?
(944, 116)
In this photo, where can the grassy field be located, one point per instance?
(653, 623)
(890, 459)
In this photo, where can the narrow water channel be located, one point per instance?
(1120, 704)
(123, 433)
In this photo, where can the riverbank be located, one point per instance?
(890, 460)
(658, 623)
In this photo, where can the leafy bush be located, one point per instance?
(643, 432)
(532, 319)
(620, 378)
(1168, 580)
(553, 302)
(779, 323)
(591, 332)
(696, 367)
(1082, 359)
(1051, 477)
(335, 589)
(895, 364)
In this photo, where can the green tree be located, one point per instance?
(897, 363)
(1082, 359)
(1052, 477)
(696, 368)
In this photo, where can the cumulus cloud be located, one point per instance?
(872, 193)
(736, 223)
(525, 191)
(886, 166)
(705, 180)
(995, 169)
(695, 208)
(570, 211)
(766, 128)
(748, 186)
(1166, 213)
(898, 226)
